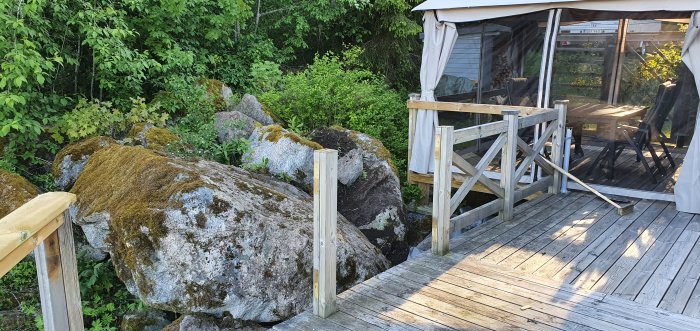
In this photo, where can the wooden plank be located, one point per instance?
(563, 234)
(678, 294)
(508, 167)
(624, 264)
(480, 167)
(600, 264)
(532, 152)
(560, 294)
(656, 286)
(377, 318)
(509, 242)
(479, 132)
(628, 228)
(457, 180)
(442, 190)
(534, 119)
(386, 310)
(29, 244)
(445, 321)
(482, 235)
(537, 237)
(397, 287)
(325, 224)
(69, 267)
(307, 321)
(351, 322)
(23, 223)
(470, 107)
(624, 192)
(429, 283)
(581, 309)
(558, 144)
(553, 266)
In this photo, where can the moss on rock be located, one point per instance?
(151, 137)
(77, 150)
(15, 191)
(135, 186)
(273, 133)
(214, 90)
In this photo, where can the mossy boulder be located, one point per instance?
(202, 237)
(15, 191)
(284, 153)
(218, 93)
(71, 160)
(373, 200)
(151, 137)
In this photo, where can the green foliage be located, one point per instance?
(105, 299)
(89, 118)
(411, 194)
(264, 76)
(142, 113)
(262, 168)
(331, 92)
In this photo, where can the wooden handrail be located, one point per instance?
(26, 223)
(44, 226)
(471, 107)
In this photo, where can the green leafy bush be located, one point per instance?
(332, 91)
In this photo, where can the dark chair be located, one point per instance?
(647, 131)
(522, 91)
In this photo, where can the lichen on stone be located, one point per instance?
(15, 191)
(273, 133)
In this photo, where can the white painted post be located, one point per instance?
(567, 156)
(57, 272)
(508, 166)
(558, 138)
(442, 189)
(325, 223)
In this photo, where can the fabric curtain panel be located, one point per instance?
(438, 41)
(687, 189)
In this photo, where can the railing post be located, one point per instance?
(442, 189)
(325, 223)
(508, 166)
(412, 115)
(558, 141)
(57, 272)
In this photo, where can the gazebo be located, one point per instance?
(603, 56)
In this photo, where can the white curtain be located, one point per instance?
(687, 189)
(438, 41)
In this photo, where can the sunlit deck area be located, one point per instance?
(564, 262)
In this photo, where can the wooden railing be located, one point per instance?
(507, 143)
(44, 226)
(325, 231)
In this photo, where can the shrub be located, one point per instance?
(332, 91)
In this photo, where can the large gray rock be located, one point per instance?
(208, 238)
(144, 320)
(71, 160)
(372, 202)
(250, 106)
(285, 153)
(350, 167)
(231, 125)
(208, 323)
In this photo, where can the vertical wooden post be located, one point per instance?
(508, 166)
(558, 141)
(325, 222)
(412, 115)
(57, 271)
(442, 180)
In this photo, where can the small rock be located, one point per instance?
(231, 125)
(350, 167)
(147, 320)
(71, 160)
(250, 106)
(15, 191)
(285, 153)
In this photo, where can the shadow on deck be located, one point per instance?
(565, 262)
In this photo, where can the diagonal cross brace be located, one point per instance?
(480, 168)
(531, 151)
(470, 170)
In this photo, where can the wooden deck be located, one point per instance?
(565, 262)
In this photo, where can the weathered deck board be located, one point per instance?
(565, 262)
